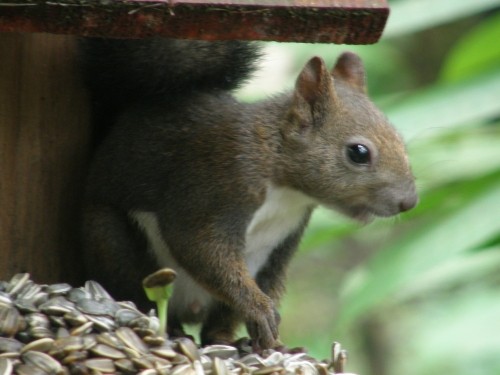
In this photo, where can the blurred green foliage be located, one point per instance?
(419, 294)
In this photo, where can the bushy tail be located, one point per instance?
(125, 70)
(121, 72)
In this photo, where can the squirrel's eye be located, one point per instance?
(359, 154)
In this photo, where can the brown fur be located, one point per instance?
(203, 166)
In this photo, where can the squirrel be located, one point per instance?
(221, 191)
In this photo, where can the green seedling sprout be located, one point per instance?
(158, 288)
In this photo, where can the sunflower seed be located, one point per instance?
(11, 321)
(75, 318)
(131, 340)
(220, 351)
(102, 323)
(150, 371)
(186, 369)
(102, 350)
(57, 306)
(219, 367)
(30, 291)
(93, 307)
(5, 366)
(143, 363)
(269, 370)
(9, 345)
(58, 289)
(84, 331)
(5, 300)
(41, 360)
(164, 352)
(77, 294)
(125, 316)
(100, 364)
(188, 348)
(17, 282)
(153, 340)
(41, 345)
(68, 344)
(74, 357)
(125, 365)
(23, 369)
(26, 305)
(96, 290)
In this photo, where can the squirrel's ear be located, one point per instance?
(314, 82)
(350, 69)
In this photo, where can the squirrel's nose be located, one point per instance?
(408, 202)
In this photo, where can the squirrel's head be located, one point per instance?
(340, 149)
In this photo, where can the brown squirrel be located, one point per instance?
(221, 191)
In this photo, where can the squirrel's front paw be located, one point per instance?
(263, 326)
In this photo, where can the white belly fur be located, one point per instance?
(279, 216)
(188, 299)
(281, 213)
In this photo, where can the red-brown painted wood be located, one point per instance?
(336, 21)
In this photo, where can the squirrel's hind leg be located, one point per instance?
(116, 255)
(220, 325)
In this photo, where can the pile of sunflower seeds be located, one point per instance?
(58, 329)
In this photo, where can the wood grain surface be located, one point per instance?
(43, 153)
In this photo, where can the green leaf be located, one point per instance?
(439, 239)
(440, 108)
(464, 154)
(325, 228)
(464, 266)
(475, 53)
(411, 16)
(452, 334)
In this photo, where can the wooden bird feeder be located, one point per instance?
(44, 111)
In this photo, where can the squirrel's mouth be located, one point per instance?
(363, 216)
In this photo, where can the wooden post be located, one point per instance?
(44, 137)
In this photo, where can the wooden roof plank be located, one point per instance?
(327, 21)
